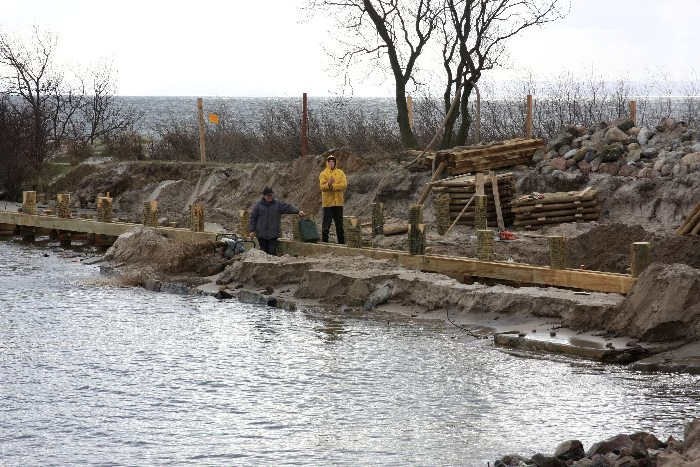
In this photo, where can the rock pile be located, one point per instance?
(671, 149)
(637, 449)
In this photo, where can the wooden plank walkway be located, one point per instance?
(456, 267)
(113, 229)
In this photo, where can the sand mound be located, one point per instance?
(663, 305)
(145, 248)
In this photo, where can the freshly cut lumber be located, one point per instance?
(556, 220)
(553, 207)
(395, 229)
(560, 213)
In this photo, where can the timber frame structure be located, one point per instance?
(459, 268)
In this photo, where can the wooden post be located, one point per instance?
(633, 112)
(202, 143)
(464, 209)
(558, 257)
(104, 209)
(150, 213)
(353, 232)
(415, 214)
(409, 104)
(197, 217)
(477, 123)
(496, 200)
(435, 176)
(377, 218)
(416, 239)
(63, 205)
(243, 222)
(64, 237)
(484, 244)
(442, 213)
(304, 127)
(29, 202)
(479, 182)
(480, 212)
(528, 118)
(641, 257)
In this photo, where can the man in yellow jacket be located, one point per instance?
(333, 184)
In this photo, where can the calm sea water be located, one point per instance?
(102, 375)
(250, 111)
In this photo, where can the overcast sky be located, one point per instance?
(267, 48)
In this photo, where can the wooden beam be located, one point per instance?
(496, 200)
(458, 267)
(435, 176)
(100, 228)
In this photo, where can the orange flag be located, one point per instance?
(213, 118)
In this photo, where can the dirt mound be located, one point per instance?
(144, 248)
(663, 305)
(606, 247)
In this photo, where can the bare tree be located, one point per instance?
(386, 30)
(30, 76)
(474, 34)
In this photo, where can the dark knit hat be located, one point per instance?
(267, 191)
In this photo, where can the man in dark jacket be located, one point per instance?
(265, 220)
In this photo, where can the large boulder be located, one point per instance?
(692, 158)
(615, 135)
(571, 450)
(644, 135)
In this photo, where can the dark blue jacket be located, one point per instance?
(266, 218)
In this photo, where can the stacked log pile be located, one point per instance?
(556, 208)
(460, 190)
(691, 225)
(484, 157)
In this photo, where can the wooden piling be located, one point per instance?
(640, 257)
(202, 143)
(416, 239)
(558, 253)
(104, 209)
(29, 202)
(633, 112)
(64, 237)
(528, 118)
(197, 217)
(150, 213)
(484, 249)
(63, 205)
(442, 213)
(415, 214)
(480, 213)
(409, 105)
(243, 223)
(377, 218)
(353, 232)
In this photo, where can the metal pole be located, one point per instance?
(478, 113)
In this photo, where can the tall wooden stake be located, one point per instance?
(497, 200)
(528, 118)
(641, 257)
(304, 126)
(202, 144)
(409, 104)
(633, 112)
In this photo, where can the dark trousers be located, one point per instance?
(333, 214)
(268, 245)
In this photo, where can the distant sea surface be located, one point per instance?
(249, 111)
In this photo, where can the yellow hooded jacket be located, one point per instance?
(332, 196)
